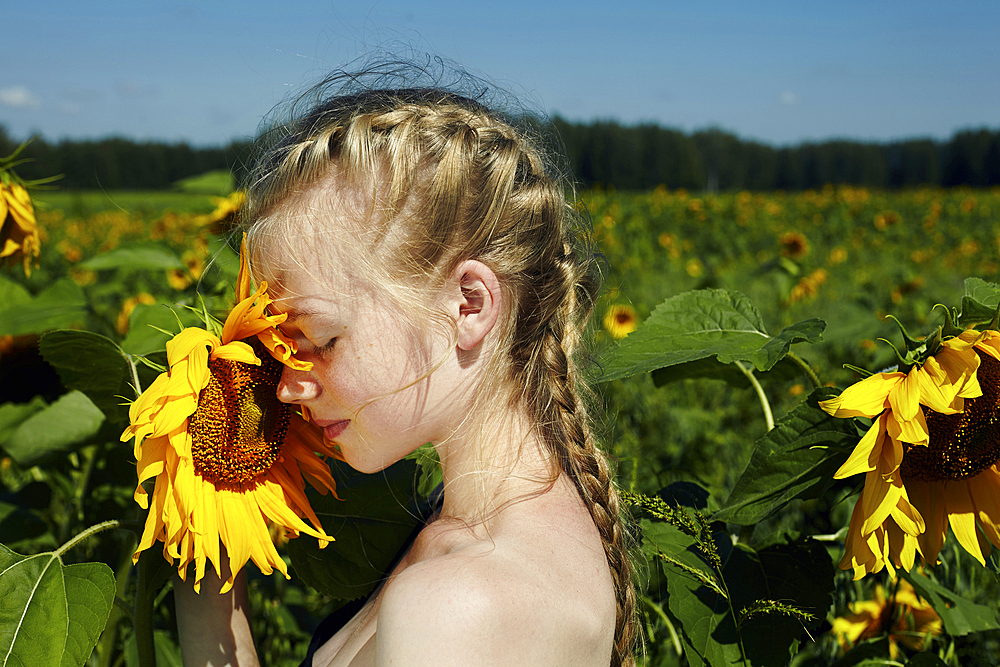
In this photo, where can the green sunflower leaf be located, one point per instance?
(93, 364)
(795, 459)
(147, 324)
(52, 614)
(371, 524)
(12, 293)
(867, 654)
(151, 256)
(980, 301)
(13, 415)
(71, 420)
(799, 574)
(60, 305)
(959, 615)
(712, 326)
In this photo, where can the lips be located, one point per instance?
(332, 430)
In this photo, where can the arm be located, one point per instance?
(214, 629)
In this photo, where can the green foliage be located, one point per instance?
(796, 459)
(71, 420)
(218, 182)
(740, 523)
(52, 613)
(60, 305)
(703, 325)
(370, 521)
(94, 365)
(734, 604)
(150, 256)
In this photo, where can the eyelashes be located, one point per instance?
(327, 348)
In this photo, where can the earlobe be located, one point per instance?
(478, 304)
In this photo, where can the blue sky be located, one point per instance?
(779, 72)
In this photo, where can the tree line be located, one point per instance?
(627, 157)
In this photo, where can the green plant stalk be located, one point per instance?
(80, 537)
(675, 640)
(806, 368)
(89, 456)
(135, 375)
(107, 642)
(732, 612)
(143, 616)
(768, 415)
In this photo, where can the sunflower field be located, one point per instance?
(800, 391)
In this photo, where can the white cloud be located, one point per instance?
(19, 97)
(788, 97)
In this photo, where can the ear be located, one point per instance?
(475, 290)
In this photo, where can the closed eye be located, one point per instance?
(326, 348)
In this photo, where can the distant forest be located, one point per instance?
(626, 157)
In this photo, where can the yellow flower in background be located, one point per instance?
(794, 245)
(19, 241)
(129, 305)
(620, 321)
(929, 459)
(904, 617)
(223, 218)
(229, 459)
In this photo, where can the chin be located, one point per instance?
(364, 465)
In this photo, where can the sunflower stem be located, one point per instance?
(143, 615)
(806, 368)
(80, 537)
(768, 415)
(655, 608)
(135, 375)
(106, 644)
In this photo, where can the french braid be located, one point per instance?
(471, 186)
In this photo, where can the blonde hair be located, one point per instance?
(453, 181)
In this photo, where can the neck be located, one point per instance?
(490, 463)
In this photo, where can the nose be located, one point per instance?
(297, 386)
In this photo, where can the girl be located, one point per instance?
(422, 247)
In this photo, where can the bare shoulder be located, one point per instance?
(535, 591)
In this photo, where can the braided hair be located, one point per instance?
(473, 183)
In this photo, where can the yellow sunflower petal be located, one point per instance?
(906, 517)
(990, 344)
(902, 546)
(866, 398)
(153, 530)
(962, 517)
(878, 499)
(929, 501)
(234, 516)
(939, 387)
(236, 351)
(985, 491)
(150, 464)
(905, 397)
(9, 248)
(244, 284)
(866, 454)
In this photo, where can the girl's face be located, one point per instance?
(379, 387)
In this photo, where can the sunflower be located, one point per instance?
(620, 321)
(228, 457)
(18, 230)
(906, 619)
(794, 245)
(223, 218)
(929, 458)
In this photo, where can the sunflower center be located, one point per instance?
(964, 444)
(239, 426)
